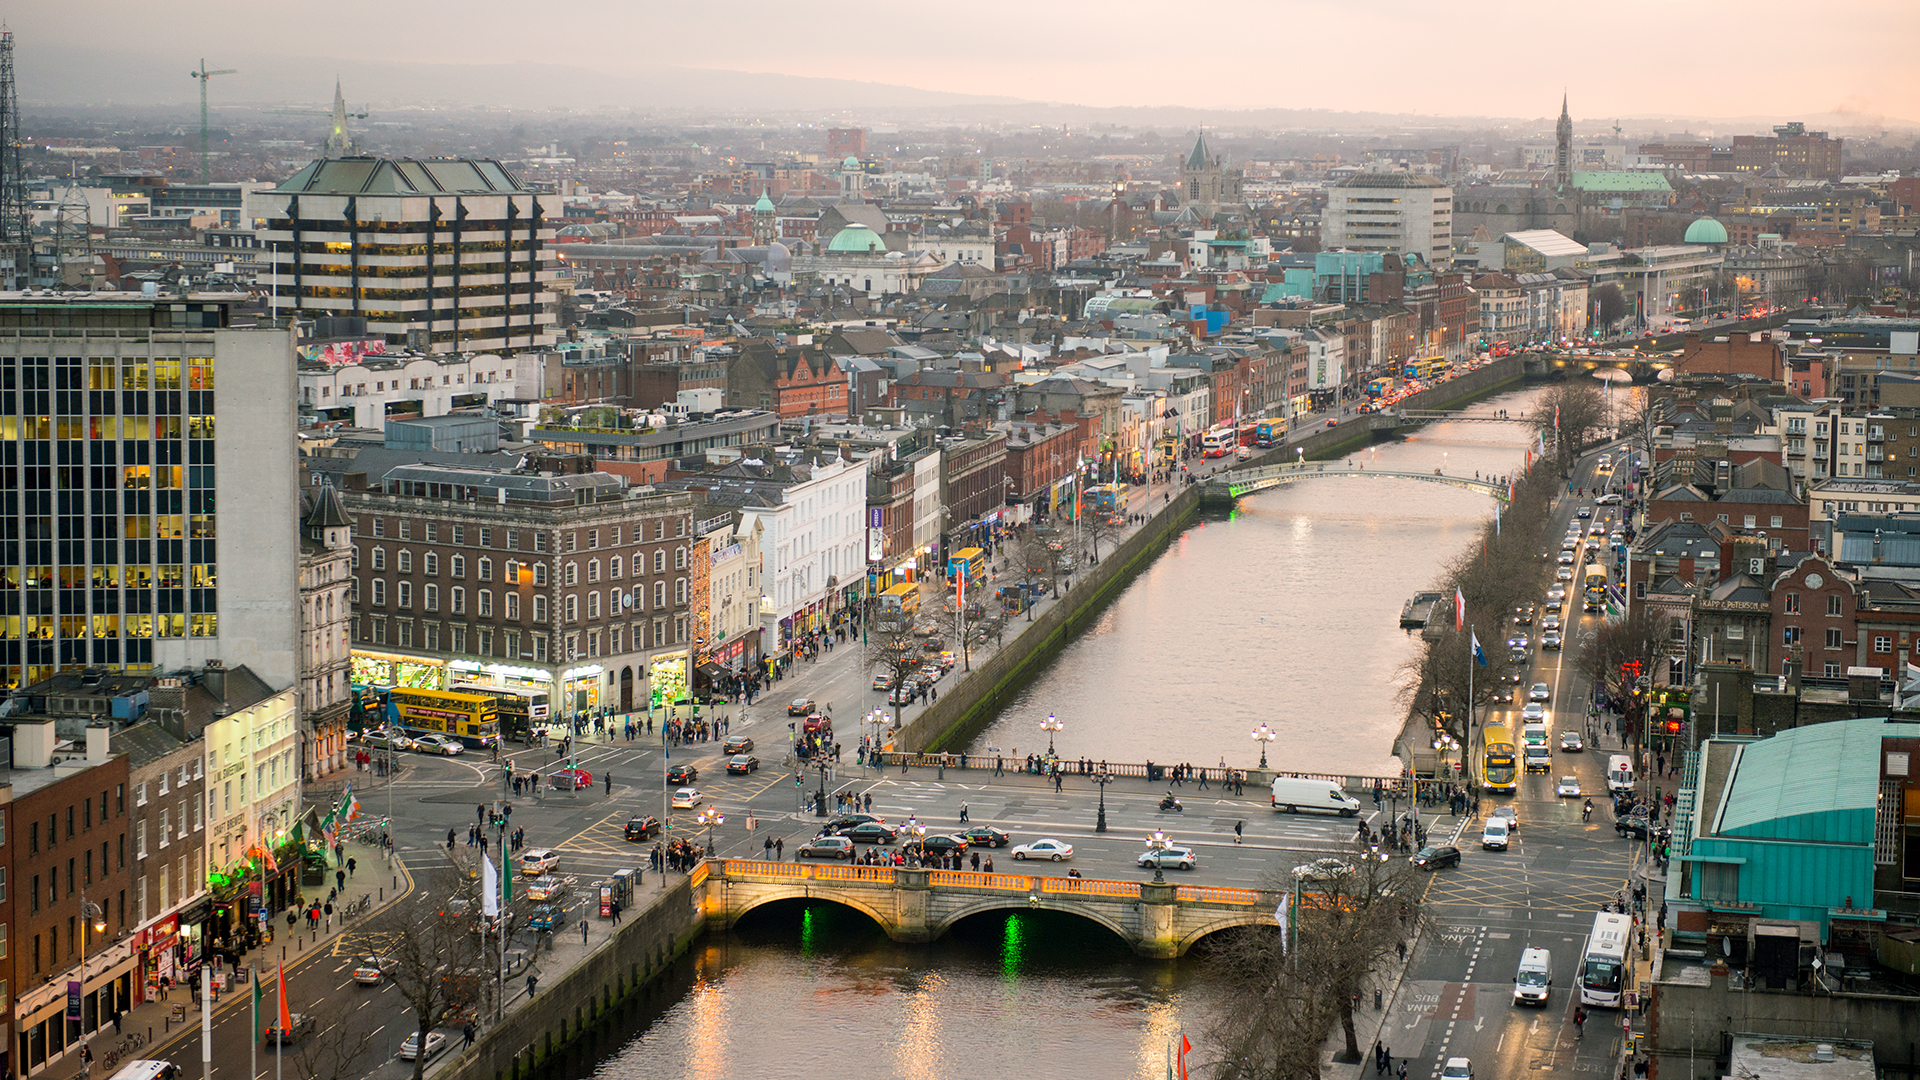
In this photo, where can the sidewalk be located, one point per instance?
(153, 1021)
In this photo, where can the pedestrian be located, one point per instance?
(1379, 1063)
(480, 813)
(614, 910)
(466, 1034)
(583, 929)
(351, 863)
(449, 839)
(779, 849)
(1403, 1070)
(1238, 826)
(340, 879)
(609, 784)
(329, 915)
(963, 809)
(532, 981)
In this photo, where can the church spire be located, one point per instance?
(1563, 147)
(339, 142)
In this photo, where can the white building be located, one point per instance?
(733, 584)
(813, 549)
(253, 775)
(358, 391)
(1408, 214)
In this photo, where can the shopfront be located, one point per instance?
(670, 681)
(582, 689)
(54, 1015)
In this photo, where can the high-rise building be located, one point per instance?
(126, 422)
(1407, 213)
(439, 255)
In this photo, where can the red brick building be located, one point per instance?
(1815, 620)
(1038, 456)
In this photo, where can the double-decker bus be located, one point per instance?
(1380, 387)
(1433, 368)
(1594, 585)
(1603, 962)
(899, 602)
(1107, 498)
(970, 563)
(1268, 434)
(1219, 442)
(519, 708)
(474, 719)
(1499, 764)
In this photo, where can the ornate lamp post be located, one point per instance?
(1050, 725)
(1157, 843)
(1264, 735)
(1103, 778)
(820, 797)
(710, 817)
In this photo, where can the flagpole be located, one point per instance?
(253, 1047)
(206, 1020)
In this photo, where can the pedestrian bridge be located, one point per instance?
(1157, 920)
(1229, 486)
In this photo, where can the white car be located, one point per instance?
(539, 861)
(1179, 858)
(1566, 558)
(439, 744)
(1055, 850)
(1564, 573)
(1608, 499)
(436, 1045)
(1458, 1068)
(1556, 594)
(1540, 692)
(1569, 787)
(686, 798)
(1534, 713)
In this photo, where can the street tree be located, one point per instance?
(341, 1052)
(1626, 649)
(1276, 992)
(443, 964)
(1611, 303)
(893, 650)
(1571, 415)
(1038, 554)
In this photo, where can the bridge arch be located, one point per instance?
(1223, 923)
(801, 892)
(988, 905)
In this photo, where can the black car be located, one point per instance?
(1635, 826)
(682, 774)
(838, 826)
(736, 744)
(986, 836)
(1433, 858)
(938, 845)
(872, 832)
(643, 828)
(743, 764)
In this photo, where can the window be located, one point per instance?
(659, 562)
(573, 608)
(457, 566)
(432, 534)
(485, 605)
(659, 530)
(406, 529)
(540, 575)
(1789, 635)
(659, 594)
(540, 648)
(593, 605)
(568, 541)
(430, 596)
(513, 606)
(593, 570)
(593, 538)
(403, 561)
(379, 558)
(1882, 643)
(1777, 521)
(140, 793)
(1792, 603)
(1833, 604)
(379, 527)
(430, 563)
(680, 590)
(540, 609)
(140, 839)
(573, 573)
(457, 639)
(165, 839)
(680, 558)
(613, 568)
(486, 538)
(1833, 637)
(457, 600)
(403, 594)
(484, 568)
(593, 644)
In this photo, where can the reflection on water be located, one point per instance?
(1282, 612)
(1002, 994)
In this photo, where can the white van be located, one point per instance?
(1533, 983)
(1619, 773)
(1494, 836)
(1296, 793)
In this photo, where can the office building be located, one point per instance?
(1408, 214)
(125, 423)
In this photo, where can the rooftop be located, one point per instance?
(403, 176)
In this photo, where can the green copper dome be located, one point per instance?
(857, 239)
(1706, 231)
(764, 206)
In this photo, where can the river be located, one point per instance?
(1283, 612)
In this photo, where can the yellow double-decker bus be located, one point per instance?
(898, 603)
(474, 719)
(1499, 765)
(968, 562)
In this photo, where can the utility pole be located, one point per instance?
(203, 75)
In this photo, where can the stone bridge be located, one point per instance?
(1157, 920)
(1228, 486)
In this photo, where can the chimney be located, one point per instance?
(97, 742)
(33, 744)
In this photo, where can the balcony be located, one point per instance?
(1876, 434)
(1875, 453)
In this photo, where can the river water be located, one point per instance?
(1283, 612)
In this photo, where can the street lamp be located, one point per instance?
(820, 797)
(1156, 844)
(710, 817)
(1264, 735)
(1050, 725)
(99, 924)
(1103, 778)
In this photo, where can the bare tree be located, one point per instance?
(442, 964)
(1625, 651)
(340, 1052)
(1571, 415)
(1278, 992)
(893, 649)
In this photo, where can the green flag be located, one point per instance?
(506, 880)
(256, 1008)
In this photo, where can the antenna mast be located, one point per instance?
(16, 239)
(203, 75)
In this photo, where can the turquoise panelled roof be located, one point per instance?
(1621, 181)
(1819, 782)
(1705, 231)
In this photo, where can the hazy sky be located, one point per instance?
(1494, 58)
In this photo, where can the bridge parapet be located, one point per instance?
(915, 904)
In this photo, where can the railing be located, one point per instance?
(762, 868)
(699, 875)
(878, 874)
(1217, 894)
(968, 879)
(1090, 887)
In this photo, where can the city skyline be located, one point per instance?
(1493, 67)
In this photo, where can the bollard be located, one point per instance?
(1376, 999)
(383, 894)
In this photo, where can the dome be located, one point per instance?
(1706, 231)
(856, 239)
(764, 206)
(779, 259)
(852, 164)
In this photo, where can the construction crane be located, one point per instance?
(203, 75)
